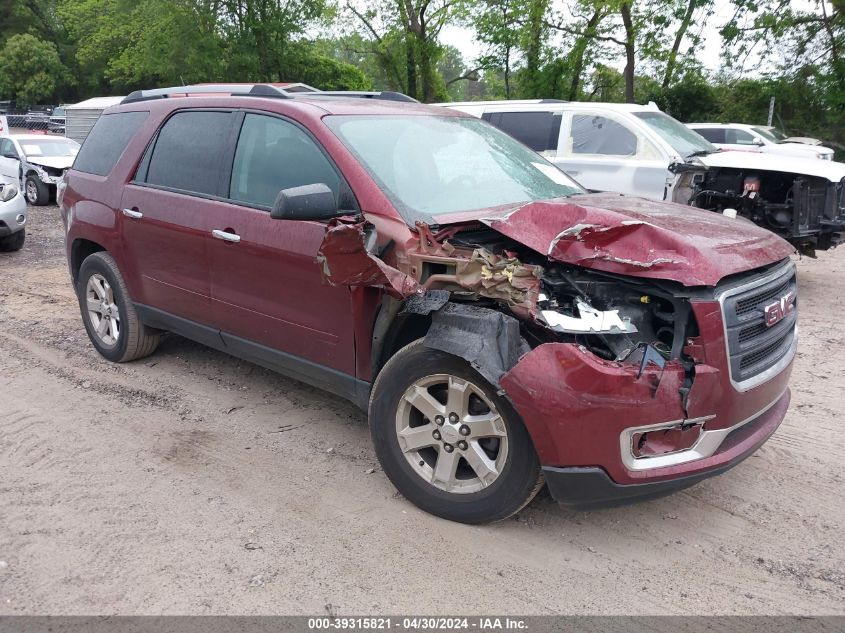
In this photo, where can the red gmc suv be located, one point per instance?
(502, 326)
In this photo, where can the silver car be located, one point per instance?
(12, 217)
(37, 162)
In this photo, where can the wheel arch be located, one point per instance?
(488, 339)
(79, 250)
(393, 329)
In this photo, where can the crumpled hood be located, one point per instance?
(57, 162)
(639, 237)
(757, 161)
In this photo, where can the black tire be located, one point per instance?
(13, 242)
(134, 340)
(36, 192)
(519, 480)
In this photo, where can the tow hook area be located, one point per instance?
(678, 437)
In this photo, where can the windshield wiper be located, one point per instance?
(703, 152)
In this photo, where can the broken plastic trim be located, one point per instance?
(489, 340)
(590, 321)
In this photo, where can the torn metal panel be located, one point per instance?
(502, 278)
(489, 340)
(705, 390)
(637, 237)
(345, 261)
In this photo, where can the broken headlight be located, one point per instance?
(612, 318)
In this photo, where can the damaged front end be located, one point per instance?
(808, 211)
(611, 361)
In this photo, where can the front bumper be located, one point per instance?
(592, 487)
(10, 214)
(583, 413)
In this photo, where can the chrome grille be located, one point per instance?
(753, 347)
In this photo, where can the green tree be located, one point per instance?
(404, 35)
(323, 72)
(496, 24)
(30, 69)
(35, 17)
(130, 44)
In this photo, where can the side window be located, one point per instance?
(593, 134)
(187, 152)
(6, 148)
(739, 137)
(712, 134)
(272, 155)
(538, 130)
(106, 141)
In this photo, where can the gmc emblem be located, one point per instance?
(775, 312)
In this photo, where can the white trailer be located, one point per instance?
(81, 117)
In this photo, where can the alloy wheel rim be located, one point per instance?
(102, 310)
(31, 192)
(451, 434)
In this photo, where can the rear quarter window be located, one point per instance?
(106, 142)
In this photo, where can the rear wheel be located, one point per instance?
(108, 314)
(447, 441)
(13, 242)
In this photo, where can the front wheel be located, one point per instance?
(37, 193)
(447, 441)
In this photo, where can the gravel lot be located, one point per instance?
(194, 483)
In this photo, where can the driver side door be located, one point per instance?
(266, 284)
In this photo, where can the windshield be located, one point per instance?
(769, 135)
(682, 139)
(431, 165)
(49, 147)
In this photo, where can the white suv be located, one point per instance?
(756, 138)
(639, 150)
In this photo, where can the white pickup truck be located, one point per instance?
(639, 150)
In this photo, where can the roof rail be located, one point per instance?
(385, 95)
(279, 91)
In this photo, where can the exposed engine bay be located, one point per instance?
(617, 318)
(807, 211)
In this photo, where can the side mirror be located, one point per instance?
(10, 155)
(309, 202)
(757, 141)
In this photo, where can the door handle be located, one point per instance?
(226, 236)
(131, 213)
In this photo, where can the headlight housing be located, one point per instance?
(7, 192)
(610, 315)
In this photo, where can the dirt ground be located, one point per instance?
(194, 483)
